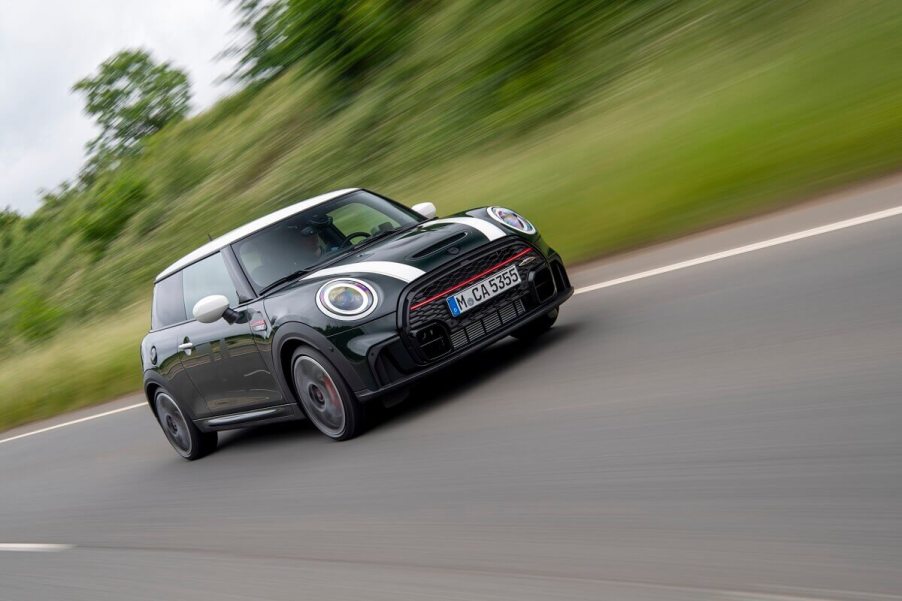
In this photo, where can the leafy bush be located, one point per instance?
(35, 318)
(115, 198)
(348, 39)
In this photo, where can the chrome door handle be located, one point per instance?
(186, 346)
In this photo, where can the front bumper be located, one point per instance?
(425, 337)
(394, 371)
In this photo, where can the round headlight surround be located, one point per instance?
(512, 219)
(330, 293)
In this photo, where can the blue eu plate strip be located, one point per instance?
(455, 308)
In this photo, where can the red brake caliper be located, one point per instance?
(333, 393)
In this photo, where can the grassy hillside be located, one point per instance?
(611, 125)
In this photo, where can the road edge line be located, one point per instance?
(741, 250)
(73, 422)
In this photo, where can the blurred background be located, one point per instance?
(611, 124)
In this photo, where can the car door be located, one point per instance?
(161, 344)
(222, 358)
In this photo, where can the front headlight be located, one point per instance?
(346, 299)
(512, 219)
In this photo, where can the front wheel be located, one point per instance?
(182, 434)
(325, 398)
(536, 327)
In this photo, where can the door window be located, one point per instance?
(168, 302)
(206, 277)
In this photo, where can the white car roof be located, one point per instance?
(249, 228)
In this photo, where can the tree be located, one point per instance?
(8, 218)
(130, 97)
(344, 38)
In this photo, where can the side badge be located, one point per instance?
(153, 355)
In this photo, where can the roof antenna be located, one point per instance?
(209, 237)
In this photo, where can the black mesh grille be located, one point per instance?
(437, 309)
(489, 322)
(483, 319)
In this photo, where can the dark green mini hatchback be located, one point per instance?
(324, 307)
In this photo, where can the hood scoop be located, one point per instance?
(439, 246)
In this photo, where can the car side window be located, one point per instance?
(206, 277)
(168, 302)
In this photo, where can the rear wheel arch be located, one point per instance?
(183, 435)
(150, 392)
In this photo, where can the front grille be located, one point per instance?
(425, 306)
(437, 309)
(487, 324)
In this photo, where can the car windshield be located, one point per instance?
(314, 236)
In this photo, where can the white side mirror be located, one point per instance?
(426, 209)
(210, 308)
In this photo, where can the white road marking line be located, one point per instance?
(817, 231)
(73, 422)
(741, 250)
(34, 547)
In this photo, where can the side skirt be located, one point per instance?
(254, 417)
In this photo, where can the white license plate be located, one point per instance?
(478, 293)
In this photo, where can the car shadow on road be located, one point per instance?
(266, 435)
(472, 372)
(431, 392)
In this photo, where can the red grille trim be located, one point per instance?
(470, 279)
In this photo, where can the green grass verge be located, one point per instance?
(83, 365)
(705, 123)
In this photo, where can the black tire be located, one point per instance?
(180, 431)
(536, 327)
(325, 397)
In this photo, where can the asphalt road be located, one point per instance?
(730, 431)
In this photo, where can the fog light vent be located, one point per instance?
(433, 341)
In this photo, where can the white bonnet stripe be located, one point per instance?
(489, 230)
(400, 271)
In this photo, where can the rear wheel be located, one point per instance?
(325, 398)
(536, 327)
(182, 434)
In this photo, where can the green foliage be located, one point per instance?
(35, 318)
(79, 366)
(130, 97)
(18, 250)
(346, 38)
(183, 171)
(115, 198)
(8, 218)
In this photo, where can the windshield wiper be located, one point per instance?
(285, 279)
(381, 235)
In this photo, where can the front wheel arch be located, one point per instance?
(288, 337)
